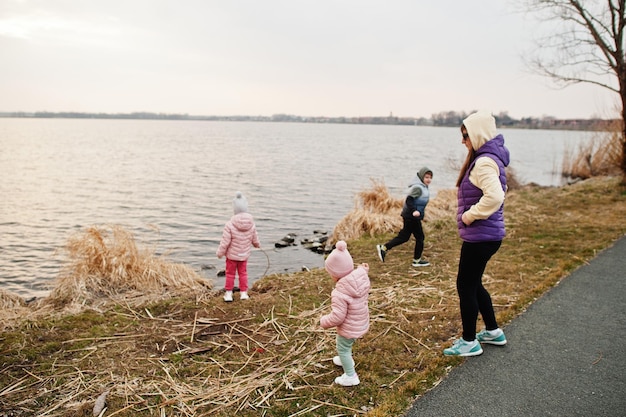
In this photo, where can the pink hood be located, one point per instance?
(238, 237)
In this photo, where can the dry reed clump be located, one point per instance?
(8, 300)
(377, 212)
(108, 263)
(601, 156)
(443, 206)
(12, 307)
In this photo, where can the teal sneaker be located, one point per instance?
(493, 337)
(463, 348)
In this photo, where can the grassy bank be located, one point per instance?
(190, 354)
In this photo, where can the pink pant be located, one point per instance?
(241, 267)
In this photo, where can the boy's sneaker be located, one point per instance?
(493, 337)
(244, 295)
(420, 262)
(228, 296)
(347, 381)
(382, 251)
(463, 348)
(337, 361)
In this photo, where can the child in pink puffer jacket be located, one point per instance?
(350, 311)
(238, 237)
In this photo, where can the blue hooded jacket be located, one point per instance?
(417, 196)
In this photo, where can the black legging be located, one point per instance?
(413, 227)
(473, 297)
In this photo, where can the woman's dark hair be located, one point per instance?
(471, 155)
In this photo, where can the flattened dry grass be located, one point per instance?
(197, 356)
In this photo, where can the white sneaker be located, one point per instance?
(228, 296)
(337, 361)
(244, 295)
(420, 262)
(347, 381)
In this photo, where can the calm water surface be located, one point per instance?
(171, 183)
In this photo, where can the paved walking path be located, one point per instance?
(566, 355)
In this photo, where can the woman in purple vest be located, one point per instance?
(480, 219)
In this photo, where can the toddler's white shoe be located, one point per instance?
(347, 381)
(244, 295)
(337, 361)
(228, 296)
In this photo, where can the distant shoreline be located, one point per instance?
(447, 119)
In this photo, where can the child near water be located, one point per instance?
(238, 237)
(412, 216)
(350, 311)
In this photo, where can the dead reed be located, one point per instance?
(104, 263)
(12, 308)
(377, 212)
(9, 300)
(104, 266)
(600, 156)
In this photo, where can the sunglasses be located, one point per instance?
(465, 136)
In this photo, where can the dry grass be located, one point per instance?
(12, 308)
(104, 266)
(9, 300)
(196, 356)
(600, 156)
(377, 212)
(106, 263)
(370, 215)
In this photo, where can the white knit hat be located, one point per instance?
(240, 204)
(339, 263)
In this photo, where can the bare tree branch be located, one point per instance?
(585, 46)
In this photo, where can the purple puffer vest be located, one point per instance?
(492, 228)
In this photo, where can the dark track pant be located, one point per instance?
(473, 297)
(413, 227)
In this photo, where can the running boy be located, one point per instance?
(412, 216)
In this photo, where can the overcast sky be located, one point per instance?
(411, 58)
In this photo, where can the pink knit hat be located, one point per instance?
(339, 263)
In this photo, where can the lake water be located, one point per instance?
(171, 183)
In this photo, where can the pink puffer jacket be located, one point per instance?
(238, 237)
(350, 311)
